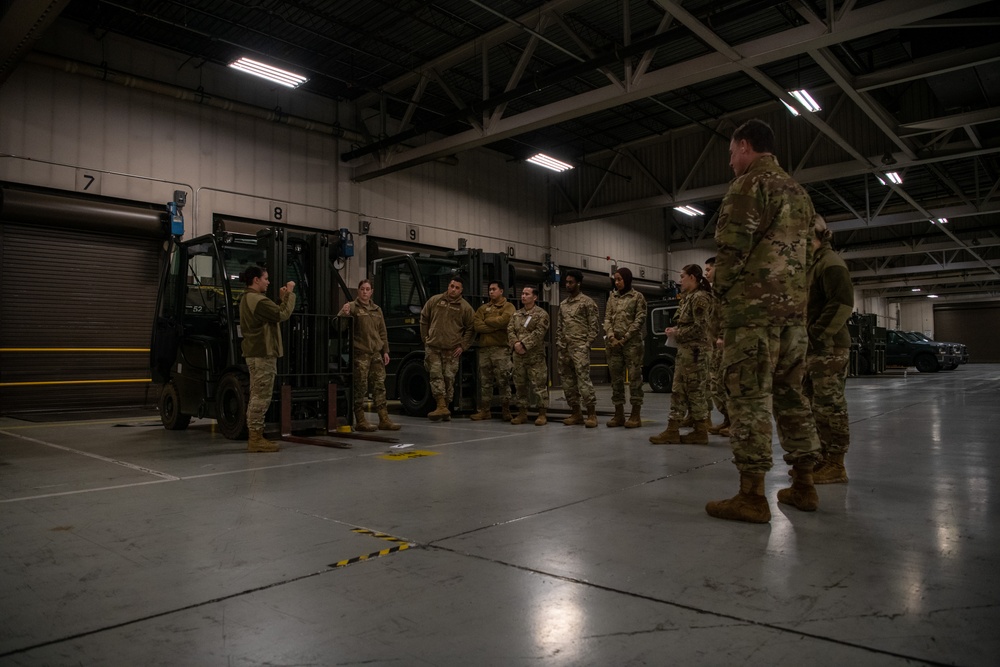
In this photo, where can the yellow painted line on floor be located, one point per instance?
(65, 382)
(408, 454)
(74, 349)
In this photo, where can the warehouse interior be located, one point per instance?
(412, 132)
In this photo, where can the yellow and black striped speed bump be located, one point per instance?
(402, 545)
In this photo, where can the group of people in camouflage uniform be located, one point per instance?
(761, 333)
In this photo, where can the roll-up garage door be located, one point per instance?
(78, 283)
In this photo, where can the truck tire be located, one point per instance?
(231, 405)
(926, 363)
(661, 377)
(170, 409)
(414, 387)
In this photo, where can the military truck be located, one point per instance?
(195, 348)
(903, 348)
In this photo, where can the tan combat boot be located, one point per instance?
(591, 420)
(541, 421)
(505, 411)
(635, 418)
(748, 505)
(440, 412)
(575, 418)
(801, 494)
(670, 435)
(724, 426)
(618, 419)
(361, 421)
(522, 415)
(832, 471)
(384, 423)
(699, 436)
(481, 414)
(688, 421)
(258, 443)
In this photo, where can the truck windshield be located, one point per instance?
(435, 274)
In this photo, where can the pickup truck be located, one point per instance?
(960, 353)
(903, 348)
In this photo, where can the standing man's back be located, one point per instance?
(763, 235)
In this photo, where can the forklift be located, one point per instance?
(195, 352)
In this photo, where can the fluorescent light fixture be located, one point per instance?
(914, 289)
(806, 100)
(940, 221)
(932, 296)
(689, 210)
(272, 74)
(543, 160)
(793, 110)
(892, 176)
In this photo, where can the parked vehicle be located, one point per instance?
(902, 348)
(658, 359)
(960, 352)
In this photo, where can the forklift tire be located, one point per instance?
(414, 386)
(661, 378)
(170, 403)
(231, 406)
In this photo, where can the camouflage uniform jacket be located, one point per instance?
(578, 322)
(831, 300)
(445, 324)
(259, 318)
(370, 335)
(491, 322)
(764, 238)
(529, 328)
(694, 320)
(625, 317)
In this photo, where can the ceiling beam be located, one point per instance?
(772, 48)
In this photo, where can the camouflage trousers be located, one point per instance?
(369, 374)
(531, 378)
(494, 371)
(716, 386)
(824, 384)
(263, 370)
(764, 368)
(628, 357)
(442, 367)
(574, 373)
(690, 384)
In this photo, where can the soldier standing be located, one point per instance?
(831, 301)
(259, 319)
(576, 328)
(716, 385)
(763, 236)
(371, 356)
(493, 355)
(624, 330)
(447, 331)
(694, 340)
(526, 336)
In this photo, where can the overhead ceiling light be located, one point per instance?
(914, 289)
(543, 160)
(891, 176)
(689, 210)
(793, 110)
(272, 74)
(932, 296)
(940, 221)
(806, 100)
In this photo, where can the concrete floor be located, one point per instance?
(122, 543)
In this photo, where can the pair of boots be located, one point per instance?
(484, 413)
(577, 417)
(722, 429)
(750, 504)
(522, 416)
(361, 422)
(634, 419)
(258, 443)
(672, 435)
(441, 412)
(830, 470)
